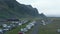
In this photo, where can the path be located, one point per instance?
(36, 28)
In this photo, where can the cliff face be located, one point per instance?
(13, 9)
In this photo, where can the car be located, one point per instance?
(20, 32)
(12, 25)
(5, 30)
(4, 25)
(17, 22)
(22, 29)
(20, 24)
(9, 27)
(28, 26)
(1, 31)
(32, 24)
(24, 21)
(25, 29)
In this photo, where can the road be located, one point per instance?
(36, 28)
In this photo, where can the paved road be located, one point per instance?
(36, 28)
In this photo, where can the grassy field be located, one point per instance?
(50, 28)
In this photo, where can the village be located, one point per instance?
(14, 23)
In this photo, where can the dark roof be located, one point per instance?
(12, 19)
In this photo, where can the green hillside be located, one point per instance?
(13, 9)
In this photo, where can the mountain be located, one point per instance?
(13, 9)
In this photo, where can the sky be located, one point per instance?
(48, 7)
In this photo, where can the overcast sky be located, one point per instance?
(48, 7)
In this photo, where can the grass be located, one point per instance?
(0, 26)
(50, 28)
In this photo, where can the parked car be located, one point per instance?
(5, 30)
(22, 29)
(1, 31)
(4, 25)
(28, 26)
(25, 29)
(12, 26)
(20, 24)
